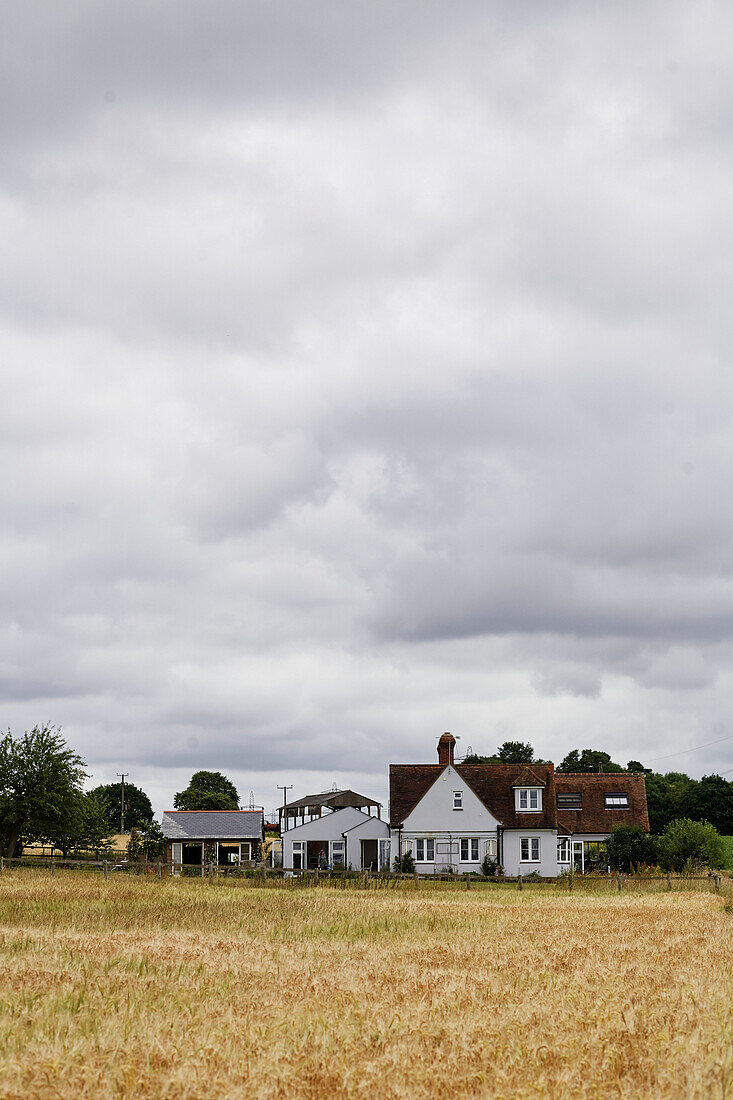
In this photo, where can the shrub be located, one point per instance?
(628, 847)
(686, 845)
(406, 864)
(488, 867)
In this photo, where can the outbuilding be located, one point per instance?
(225, 837)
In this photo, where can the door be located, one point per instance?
(177, 856)
(369, 855)
(578, 858)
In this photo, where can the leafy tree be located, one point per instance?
(628, 846)
(146, 841)
(636, 766)
(710, 800)
(40, 785)
(511, 752)
(687, 844)
(665, 795)
(589, 760)
(137, 805)
(515, 752)
(84, 827)
(208, 791)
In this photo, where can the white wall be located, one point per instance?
(547, 866)
(328, 827)
(434, 812)
(370, 829)
(434, 817)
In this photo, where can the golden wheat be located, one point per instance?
(182, 989)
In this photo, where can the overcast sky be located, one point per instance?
(365, 374)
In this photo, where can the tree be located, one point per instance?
(686, 845)
(628, 846)
(589, 760)
(515, 752)
(511, 752)
(638, 767)
(208, 791)
(138, 806)
(85, 827)
(146, 840)
(40, 785)
(710, 800)
(665, 796)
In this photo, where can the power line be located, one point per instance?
(693, 749)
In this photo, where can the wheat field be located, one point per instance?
(182, 989)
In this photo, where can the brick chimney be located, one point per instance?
(446, 745)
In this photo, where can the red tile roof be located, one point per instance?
(492, 783)
(594, 817)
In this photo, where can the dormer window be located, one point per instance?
(458, 800)
(528, 800)
(616, 801)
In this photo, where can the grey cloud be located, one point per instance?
(365, 374)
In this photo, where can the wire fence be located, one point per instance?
(294, 878)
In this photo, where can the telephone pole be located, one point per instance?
(284, 815)
(122, 776)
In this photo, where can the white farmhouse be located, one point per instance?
(452, 816)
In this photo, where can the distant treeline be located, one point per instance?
(669, 796)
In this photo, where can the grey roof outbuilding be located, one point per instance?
(212, 824)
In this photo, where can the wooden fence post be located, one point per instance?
(468, 882)
(106, 870)
(160, 869)
(570, 884)
(669, 881)
(2, 863)
(519, 882)
(618, 880)
(717, 884)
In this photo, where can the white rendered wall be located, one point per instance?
(328, 827)
(547, 865)
(371, 829)
(434, 817)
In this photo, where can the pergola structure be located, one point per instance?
(315, 805)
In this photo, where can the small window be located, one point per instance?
(337, 853)
(563, 850)
(528, 800)
(529, 849)
(570, 801)
(458, 800)
(616, 801)
(469, 849)
(491, 848)
(425, 850)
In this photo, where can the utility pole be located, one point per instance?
(122, 776)
(284, 816)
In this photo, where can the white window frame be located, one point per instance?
(491, 848)
(617, 800)
(525, 796)
(334, 844)
(425, 849)
(563, 850)
(458, 800)
(533, 844)
(384, 849)
(299, 854)
(469, 849)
